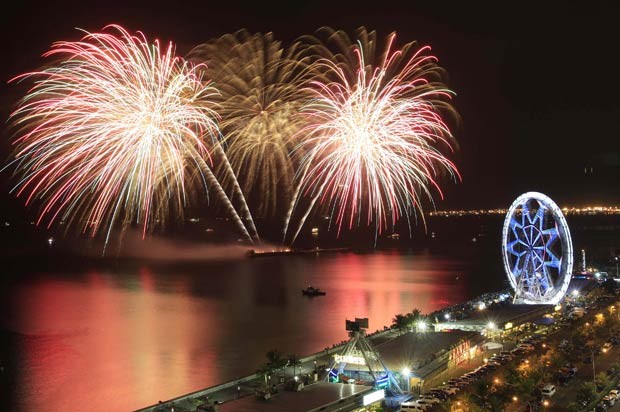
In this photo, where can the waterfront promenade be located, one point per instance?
(247, 385)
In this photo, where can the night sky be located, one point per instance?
(537, 84)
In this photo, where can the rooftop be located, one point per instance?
(499, 315)
(309, 399)
(414, 350)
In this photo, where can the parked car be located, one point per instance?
(413, 406)
(430, 398)
(548, 390)
(608, 400)
(448, 390)
(439, 394)
(427, 402)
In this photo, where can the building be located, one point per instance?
(321, 396)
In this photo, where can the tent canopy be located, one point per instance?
(493, 345)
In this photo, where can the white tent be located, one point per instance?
(492, 345)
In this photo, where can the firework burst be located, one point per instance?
(112, 132)
(374, 133)
(262, 88)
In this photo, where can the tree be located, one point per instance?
(602, 380)
(557, 360)
(526, 387)
(275, 360)
(480, 395)
(293, 360)
(500, 398)
(579, 339)
(511, 375)
(414, 316)
(610, 286)
(586, 393)
(263, 372)
(400, 322)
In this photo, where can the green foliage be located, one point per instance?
(293, 360)
(275, 360)
(400, 322)
(480, 394)
(610, 286)
(579, 339)
(602, 380)
(511, 375)
(575, 407)
(557, 360)
(586, 393)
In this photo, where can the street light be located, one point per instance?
(422, 326)
(593, 370)
(406, 372)
(575, 293)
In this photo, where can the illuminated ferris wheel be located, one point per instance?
(537, 250)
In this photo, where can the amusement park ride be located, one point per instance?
(537, 250)
(359, 352)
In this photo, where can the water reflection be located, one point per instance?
(110, 341)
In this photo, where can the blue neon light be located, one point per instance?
(532, 249)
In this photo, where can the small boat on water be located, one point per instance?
(312, 291)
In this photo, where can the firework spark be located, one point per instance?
(113, 132)
(262, 88)
(374, 131)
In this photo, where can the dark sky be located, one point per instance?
(537, 84)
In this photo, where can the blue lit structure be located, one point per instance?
(359, 352)
(537, 250)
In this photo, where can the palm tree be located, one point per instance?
(400, 322)
(501, 397)
(293, 360)
(511, 375)
(275, 360)
(481, 395)
(263, 372)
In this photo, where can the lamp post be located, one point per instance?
(406, 373)
(593, 370)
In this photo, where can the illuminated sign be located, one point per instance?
(459, 353)
(373, 397)
(355, 357)
(357, 360)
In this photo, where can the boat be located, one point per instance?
(312, 291)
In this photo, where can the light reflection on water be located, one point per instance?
(120, 340)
